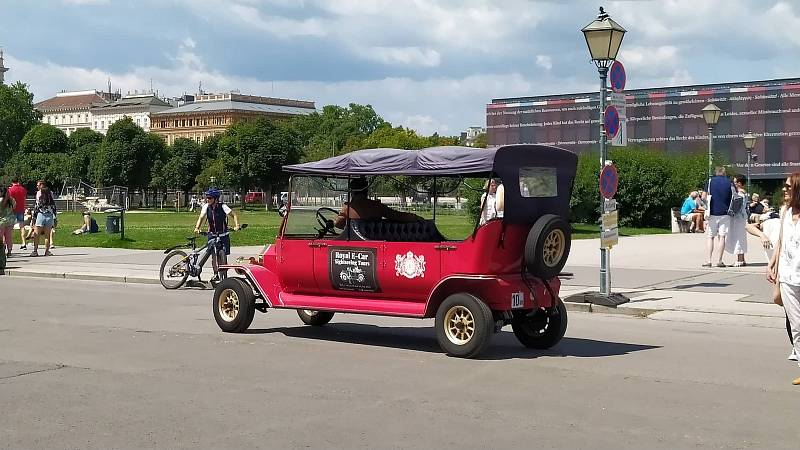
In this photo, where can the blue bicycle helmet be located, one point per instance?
(213, 193)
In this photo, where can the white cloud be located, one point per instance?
(414, 56)
(544, 61)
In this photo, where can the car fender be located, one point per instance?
(262, 280)
(496, 291)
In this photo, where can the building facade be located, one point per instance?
(211, 114)
(667, 119)
(70, 111)
(138, 107)
(3, 69)
(468, 137)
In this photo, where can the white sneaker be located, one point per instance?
(792, 356)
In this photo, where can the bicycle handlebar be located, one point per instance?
(206, 233)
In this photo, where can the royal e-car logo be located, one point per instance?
(410, 265)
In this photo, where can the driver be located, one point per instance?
(362, 207)
(216, 214)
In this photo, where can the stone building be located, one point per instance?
(138, 107)
(211, 114)
(3, 69)
(72, 110)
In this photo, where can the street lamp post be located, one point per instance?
(749, 143)
(603, 37)
(711, 115)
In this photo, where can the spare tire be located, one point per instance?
(547, 246)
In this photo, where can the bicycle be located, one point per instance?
(178, 265)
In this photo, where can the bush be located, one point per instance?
(651, 182)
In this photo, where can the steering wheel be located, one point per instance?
(326, 225)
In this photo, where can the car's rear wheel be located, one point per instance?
(234, 305)
(464, 325)
(547, 246)
(314, 318)
(540, 328)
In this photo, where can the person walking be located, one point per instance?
(18, 192)
(736, 243)
(784, 266)
(720, 191)
(7, 220)
(44, 213)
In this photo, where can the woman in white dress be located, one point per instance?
(736, 243)
(492, 205)
(784, 266)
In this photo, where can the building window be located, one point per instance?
(183, 122)
(95, 124)
(138, 122)
(102, 124)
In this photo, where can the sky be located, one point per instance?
(431, 65)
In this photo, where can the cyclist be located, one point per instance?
(216, 214)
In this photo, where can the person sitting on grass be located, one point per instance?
(89, 224)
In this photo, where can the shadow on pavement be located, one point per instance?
(700, 285)
(503, 345)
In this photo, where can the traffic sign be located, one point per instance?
(611, 122)
(616, 74)
(609, 238)
(618, 101)
(609, 181)
(610, 220)
(621, 139)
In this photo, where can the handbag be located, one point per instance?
(776, 290)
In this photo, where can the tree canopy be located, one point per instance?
(17, 116)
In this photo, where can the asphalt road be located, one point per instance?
(105, 365)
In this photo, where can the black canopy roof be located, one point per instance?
(439, 161)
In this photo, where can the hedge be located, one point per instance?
(651, 182)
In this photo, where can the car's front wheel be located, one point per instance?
(464, 325)
(314, 318)
(234, 305)
(540, 328)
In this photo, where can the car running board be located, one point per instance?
(386, 307)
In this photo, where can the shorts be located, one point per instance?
(20, 217)
(718, 225)
(45, 219)
(688, 217)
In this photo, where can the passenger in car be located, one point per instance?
(493, 204)
(362, 207)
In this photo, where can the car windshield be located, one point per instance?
(450, 203)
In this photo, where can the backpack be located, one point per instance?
(93, 228)
(737, 205)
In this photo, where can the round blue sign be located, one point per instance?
(617, 76)
(609, 181)
(611, 122)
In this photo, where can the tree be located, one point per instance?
(128, 156)
(480, 141)
(51, 167)
(44, 138)
(253, 153)
(181, 168)
(335, 130)
(17, 116)
(84, 136)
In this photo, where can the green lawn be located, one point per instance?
(159, 230)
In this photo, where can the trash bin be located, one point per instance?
(112, 223)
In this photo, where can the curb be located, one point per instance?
(592, 308)
(80, 276)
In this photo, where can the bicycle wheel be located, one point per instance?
(174, 269)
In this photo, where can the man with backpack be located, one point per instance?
(720, 190)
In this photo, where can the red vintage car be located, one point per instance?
(504, 273)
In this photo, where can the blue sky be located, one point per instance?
(429, 65)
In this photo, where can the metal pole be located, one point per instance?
(749, 158)
(710, 153)
(605, 266)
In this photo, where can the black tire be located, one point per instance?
(456, 311)
(172, 259)
(537, 329)
(547, 246)
(314, 318)
(230, 294)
